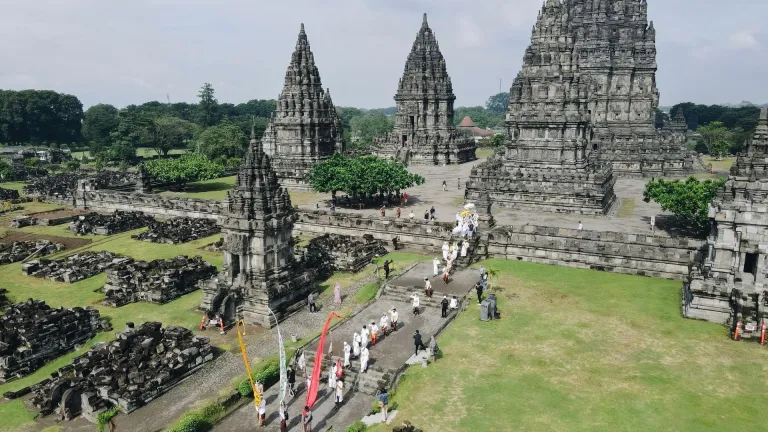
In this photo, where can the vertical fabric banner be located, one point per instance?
(318, 366)
(283, 372)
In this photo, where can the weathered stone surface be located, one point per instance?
(32, 333)
(75, 267)
(157, 281)
(424, 132)
(729, 284)
(305, 128)
(581, 109)
(179, 230)
(135, 368)
(259, 273)
(21, 250)
(330, 252)
(47, 218)
(4, 302)
(64, 185)
(117, 222)
(9, 194)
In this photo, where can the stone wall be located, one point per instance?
(155, 205)
(638, 254)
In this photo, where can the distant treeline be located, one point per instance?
(39, 117)
(744, 117)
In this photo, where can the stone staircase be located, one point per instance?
(368, 382)
(403, 294)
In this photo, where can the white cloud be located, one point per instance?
(470, 34)
(743, 40)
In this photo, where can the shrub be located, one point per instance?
(268, 374)
(103, 418)
(195, 422)
(357, 426)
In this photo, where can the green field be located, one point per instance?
(216, 189)
(144, 152)
(580, 350)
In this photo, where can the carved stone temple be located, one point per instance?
(424, 132)
(259, 271)
(730, 282)
(305, 128)
(546, 165)
(586, 97)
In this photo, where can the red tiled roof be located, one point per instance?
(467, 122)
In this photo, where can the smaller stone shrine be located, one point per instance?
(137, 367)
(331, 252)
(729, 283)
(21, 250)
(260, 276)
(32, 333)
(424, 132)
(158, 281)
(179, 230)
(117, 222)
(74, 268)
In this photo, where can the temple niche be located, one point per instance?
(259, 272)
(305, 129)
(424, 132)
(547, 165)
(729, 283)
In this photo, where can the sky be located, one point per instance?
(125, 52)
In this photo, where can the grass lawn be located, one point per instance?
(580, 350)
(484, 153)
(723, 164)
(626, 208)
(216, 189)
(13, 185)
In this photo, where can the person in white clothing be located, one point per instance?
(435, 266)
(454, 252)
(464, 248)
(347, 352)
(356, 343)
(653, 223)
(393, 316)
(581, 226)
(446, 250)
(454, 303)
(374, 333)
(366, 337)
(415, 303)
(263, 411)
(384, 324)
(339, 393)
(332, 377)
(364, 360)
(428, 288)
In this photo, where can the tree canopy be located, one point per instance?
(361, 176)
(697, 115)
(188, 168)
(209, 106)
(482, 117)
(688, 200)
(39, 117)
(225, 139)
(98, 122)
(165, 133)
(498, 103)
(370, 125)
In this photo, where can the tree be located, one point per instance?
(99, 121)
(6, 170)
(498, 103)
(72, 165)
(39, 117)
(209, 106)
(123, 142)
(165, 133)
(720, 148)
(188, 168)
(370, 125)
(226, 139)
(482, 117)
(688, 200)
(712, 133)
(361, 176)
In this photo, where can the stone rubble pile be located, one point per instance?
(20, 250)
(61, 185)
(3, 299)
(75, 267)
(138, 366)
(119, 221)
(157, 281)
(32, 333)
(179, 230)
(331, 252)
(9, 194)
(104, 179)
(215, 246)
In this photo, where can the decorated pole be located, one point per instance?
(240, 333)
(317, 367)
(283, 372)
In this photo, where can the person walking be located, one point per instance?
(263, 412)
(428, 288)
(365, 335)
(426, 216)
(411, 215)
(347, 353)
(382, 211)
(384, 324)
(418, 343)
(374, 333)
(581, 226)
(405, 198)
(306, 420)
(394, 242)
(291, 373)
(311, 302)
(458, 183)
(337, 294)
(432, 213)
(356, 344)
(383, 398)
(435, 267)
(433, 348)
(364, 353)
(653, 223)
(386, 269)
(393, 317)
(479, 290)
(339, 396)
(398, 211)
(415, 302)
(445, 186)
(444, 306)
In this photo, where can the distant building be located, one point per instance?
(477, 133)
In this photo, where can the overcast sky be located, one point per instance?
(131, 51)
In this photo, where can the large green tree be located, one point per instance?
(166, 133)
(226, 140)
(99, 121)
(39, 117)
(498, 103)
(688, 200)
(362, 176)
(188, 168)
(370, 125)
(209, 106)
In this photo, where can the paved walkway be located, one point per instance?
(630, 215)
(388, 355)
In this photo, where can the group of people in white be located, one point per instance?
(466, 222)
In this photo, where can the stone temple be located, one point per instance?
(424, 132)
(582, 109)
(729, 285)
(305, 128)
(259, 271)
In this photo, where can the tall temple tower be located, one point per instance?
(305, 128)
(546, 165)
(424, 132)
(729, 284)
(259, 271)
